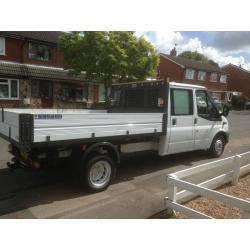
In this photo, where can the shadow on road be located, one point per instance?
(145, 163)
(21, 189)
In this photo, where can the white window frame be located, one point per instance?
(205, 75)
(225, 78)
(211, 80)
(186, 76)
(4, 46)
(9, 89)
(34, 57)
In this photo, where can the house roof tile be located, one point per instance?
(239, 68)
(188, 63)
(42, 36)
(37, 72)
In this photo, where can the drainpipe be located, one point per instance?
(22, 52)
(26, 73)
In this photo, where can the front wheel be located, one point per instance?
(217, 146)
(97, 173)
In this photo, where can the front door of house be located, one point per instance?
(46, 93)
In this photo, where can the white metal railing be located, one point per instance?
(236, 166)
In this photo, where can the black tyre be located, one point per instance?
(217, 147)
(97, 173)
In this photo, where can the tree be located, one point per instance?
(194, 55)
(238, 102)
(108, 56)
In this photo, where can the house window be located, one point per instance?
(13, 88)
(39, 52)
(41, 89)
(202, 75)
(34, 88)
(223, 78)
(9, 89)
(2, 46)
(74, 93)
(189, 74)
(4, 89)
(101, 93)
(213, 77)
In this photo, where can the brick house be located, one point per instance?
(32, 74)
(239, 80)
(184, 70)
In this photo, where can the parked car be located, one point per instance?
(248, 105)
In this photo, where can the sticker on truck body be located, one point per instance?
(48, 117)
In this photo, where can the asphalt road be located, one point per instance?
(138, 191)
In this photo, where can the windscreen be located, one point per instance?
(215, 102)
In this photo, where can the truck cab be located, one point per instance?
(194, 122)
(191, 119)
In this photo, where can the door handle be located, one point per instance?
(195, 120)
(174, 121)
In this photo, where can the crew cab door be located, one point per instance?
(181, 121)
(204, 122)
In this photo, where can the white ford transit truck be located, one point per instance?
(168, 118)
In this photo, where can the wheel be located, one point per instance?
(217, 146)
(97, 173)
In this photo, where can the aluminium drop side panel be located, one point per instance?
(54, 111)
(28, 127)
(9, 126)
(83, 126)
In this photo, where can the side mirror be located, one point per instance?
(225, 111)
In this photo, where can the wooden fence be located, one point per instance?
(236, 166)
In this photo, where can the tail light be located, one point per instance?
(36, 165)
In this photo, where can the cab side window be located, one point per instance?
(181, 102)
(204, 104)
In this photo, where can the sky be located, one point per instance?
(221, 46)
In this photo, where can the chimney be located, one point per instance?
(173, 52)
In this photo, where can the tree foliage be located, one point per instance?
(194, 55)
(109, 55)
(238, 102)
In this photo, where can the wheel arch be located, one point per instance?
(221, 133)
(102, 147)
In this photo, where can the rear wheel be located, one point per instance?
(97, 173)
(217, 146)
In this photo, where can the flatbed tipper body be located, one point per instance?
(167, 118)
(41, 127)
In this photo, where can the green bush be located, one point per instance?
(227, 104)
(238, 102)
(248, 106)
